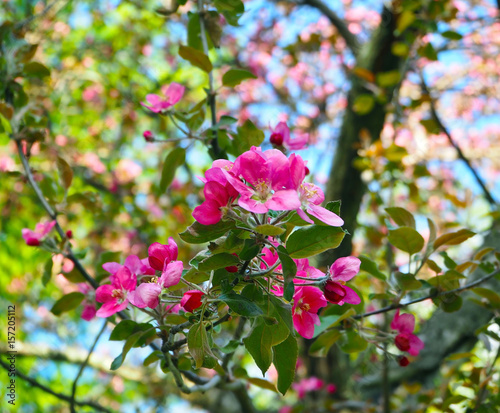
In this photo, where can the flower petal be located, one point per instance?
(345, 268)
(284, 200)
(171, 274)
(328, 217)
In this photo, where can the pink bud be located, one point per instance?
(33, 242)
(334, 292)
(403, 361)
(148, 135)
(191, 300)
(331, 388)
(276, 139)
(69, 234)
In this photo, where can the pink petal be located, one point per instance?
(104, 293)
(146, 295)
(253, 167)
(351, 297)
(151, 108)
(134, 264)
(404, 323)
(154, 99)
(304, 216)
(325, 216)
(297, 171)
(172, 274)
(111, 267)
(415, 345)
(215, 191)
(174, 93)
(125, 279)
(208, 213)
(298, 143)
(252, 205)
(29, 235)
(345, 268)
(88, 312)
(111, 307)
(304, 323)
(285, 200)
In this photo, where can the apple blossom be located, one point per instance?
(342, 270)
(173, 93)
(115, 296)
(306, 303)
(160, 255)
(406, 340)
(33, 238)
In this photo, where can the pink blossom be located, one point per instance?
(33, 238)
(310, 195)
(406, 340)
(133, 263)
(268, 174)
(160, 255)
(306, 303)
(191, 300)
(173, 93)
(115, 296)
(280, 136)
(89, 310)
(342, 270)
(146, 294)
(307, 385)
(331, 388)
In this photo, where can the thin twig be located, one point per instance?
(460, 154)
(84, 364)
(427, 297)
(217, 153)
(61, 396)
(350, 39)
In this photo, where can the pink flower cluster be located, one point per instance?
(310, 384)
(404, 324)
(308, 300)
(259, 181)
(173, 93)
(141, 282)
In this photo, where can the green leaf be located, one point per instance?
(231, 9)
(352, 342)
(250, 250)
(312, 240)
(451, 35)
(240, 304)
(194, 31)
(199, 346)
(401, 216)
(131, 341)
(153, 357)
(268, 229)
(259, 343)
(248, 135)
(490, 295)
(234, 77)
(65, 172)
(263, 384)
(388, 79)
(453, 238)
(5, 124)
(218, 261)
(285, 357)
(330, 321)
(321, 346)
(285, 313)
(213, 27)
(371, 267)
(123, 330)
(407, 282)
(450, 303)
(47, 271)
(196, 58)
(405, 19)
(35, 69)
(406, 239)
(289, 272)
(199, 234)
(428, 51)
(175, 158)
(363, 104)
(67, 302)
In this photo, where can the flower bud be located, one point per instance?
(403, 361)
(148, 135)
(191, 300)
(276, 139)
(334, 292)
(69, 234)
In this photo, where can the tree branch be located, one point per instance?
(84, 364)
(430, 296)
(61, 396)
(460, 154)
(350, 39)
